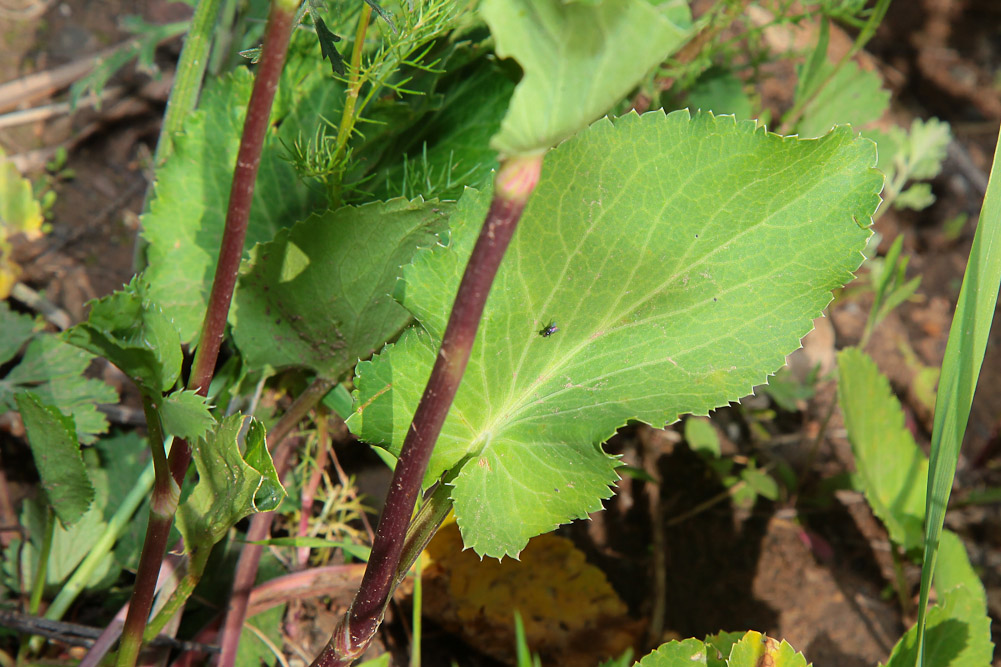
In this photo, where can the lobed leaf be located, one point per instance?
(17, 330)
(54, 370)
(318, 295)
(186, 415)
(755, 649)
(676, 654)
(682, 258)
(578, 60)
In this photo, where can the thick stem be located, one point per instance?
(512, 187)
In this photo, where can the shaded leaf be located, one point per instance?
(54, 370)
(230, 486)
(958, 634)
(327, 40)
(682, 259)
(131, 332)
(187, 215)
(54, 446)
(17, 330)
(318, 296)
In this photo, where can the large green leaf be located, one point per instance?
(681, 259)
(318, 296)
(54, 446)
(891, 468)
(230, 485)
(54, 370)
(578, 59)
(130, 331)
(187, 215)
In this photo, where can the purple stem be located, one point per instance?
(513, 185)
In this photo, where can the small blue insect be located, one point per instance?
(549, 330)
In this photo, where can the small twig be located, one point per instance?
(45, 112)
(50, 311)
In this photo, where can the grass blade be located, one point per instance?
(964, 354)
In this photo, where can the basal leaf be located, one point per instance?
(187, 216)
(186, 415)
(578, 60)
(54, 446)
(318, 296)
(690, 652)
(953, 568)
(133, 333)
(17, 330)
(681, 258)
(958, 634)
(54, 370)
(891, 468)
(852, 95)
(230, 485)
(755, 650)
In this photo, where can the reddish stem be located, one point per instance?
(512, 186)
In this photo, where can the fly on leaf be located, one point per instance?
(549, 330)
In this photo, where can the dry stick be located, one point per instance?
(512, 186)
(276, 39)
(260, 525)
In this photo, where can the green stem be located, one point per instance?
(196, 568)
(346, 126)
(38, 585)
(163, 504)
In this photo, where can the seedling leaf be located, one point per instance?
(891, 468)
(54, 370)
(318, 296)
(132, 333)
(578, 60)
(682, 259)
(54, 446)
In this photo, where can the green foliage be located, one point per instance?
(578, 60)
(702, 310)
(907, 156)
(17, 330)
(132, 332)
(892, 471)
(230, 485)
(958, 634)
(725, 650)
(720, 91)
(849, 95)
(20, 213)
(701, 436)
(186, 415)
(888, 277)
(188, 212)
(318, 295)
(142, 47)
(56, 451)
(53, 371)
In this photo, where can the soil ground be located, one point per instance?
(810, 568)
